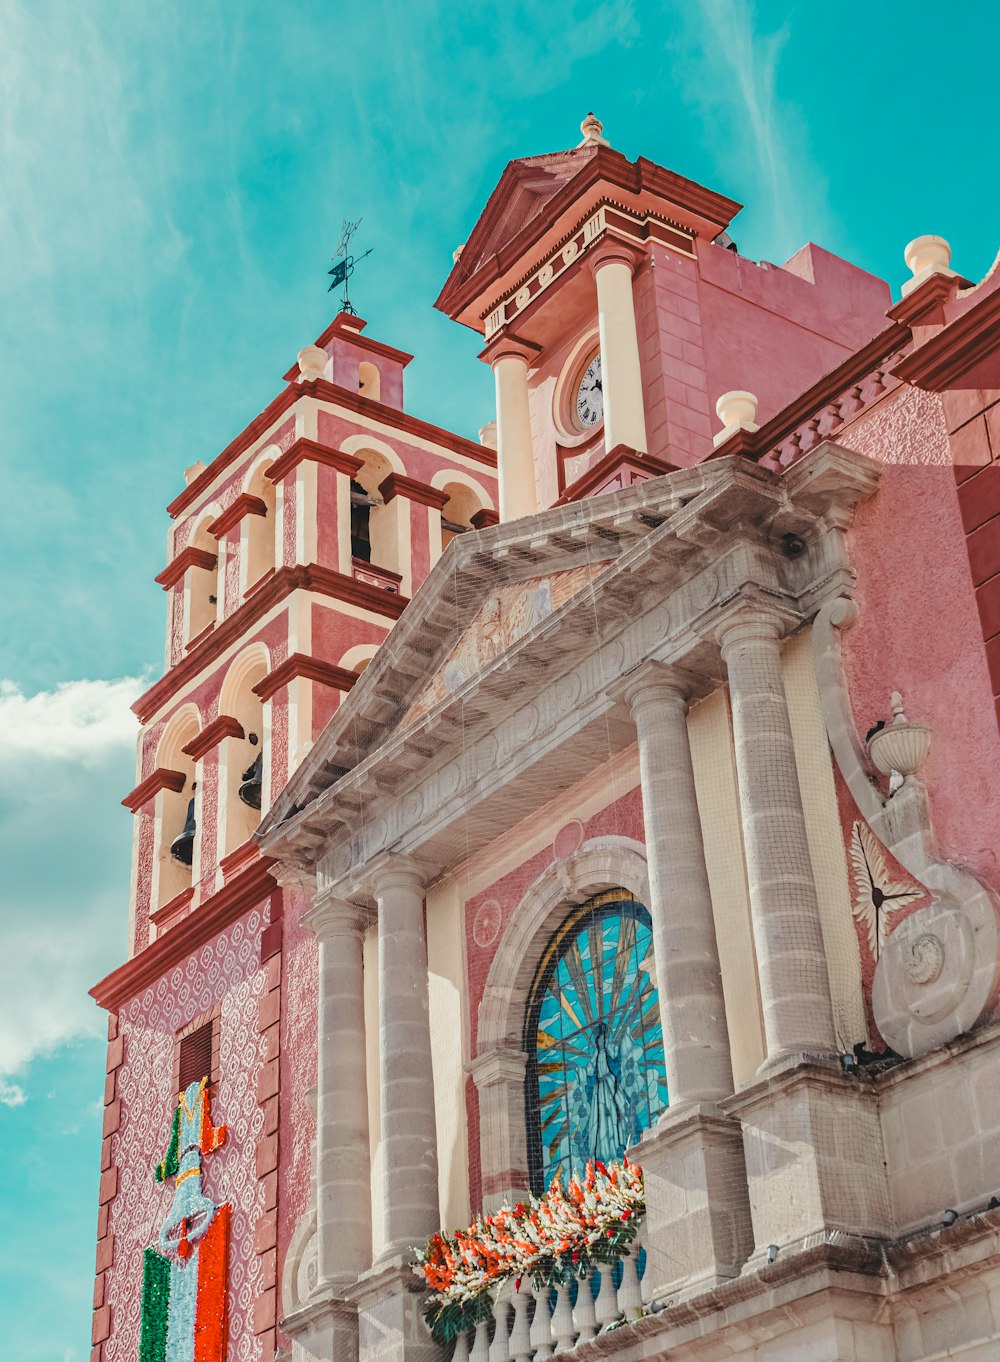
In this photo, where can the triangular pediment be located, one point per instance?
(508, 614)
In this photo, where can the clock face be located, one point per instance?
(589, 396)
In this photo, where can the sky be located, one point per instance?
(173, 178)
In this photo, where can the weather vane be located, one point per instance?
(345, 262)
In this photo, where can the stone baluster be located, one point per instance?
(629, 1294)
(343, 1186)
(606, 1304)
(791, 962)
(409, 1138)
(481, 1343)
(461, 1353)
(541, 1325)
(562, 1321)
(584, 1317)
(520, 1334)
(640, 1244)
(500, 1347)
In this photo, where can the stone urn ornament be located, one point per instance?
(900, 748)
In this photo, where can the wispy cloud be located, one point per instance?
(67, 758)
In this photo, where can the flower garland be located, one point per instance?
(564, 1233)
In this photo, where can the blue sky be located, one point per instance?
(174, 178)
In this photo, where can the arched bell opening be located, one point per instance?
(458, 511)
(376, 528)
(259, 543)
(201, 586)
(244, 784)
(176, 824)
(369, 381)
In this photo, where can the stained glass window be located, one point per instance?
(596, 1077)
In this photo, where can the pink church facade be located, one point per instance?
(456, 740)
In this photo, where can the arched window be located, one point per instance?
(202, 585)
(176, 827)
(461, 506)
(259, 530)
(243, 762)
(375, 526)
(596, 1077)
(369, 380)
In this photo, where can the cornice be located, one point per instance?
(176, 568)
(941, 361)
(396, 485)
(315, 452)
(310, 668)
(620, 457)
(245, 504)
(225, 726)
(483, 519)
(235, 898)
(162, 778)
(322, 580)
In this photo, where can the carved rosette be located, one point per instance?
(937, 976)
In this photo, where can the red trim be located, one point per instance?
(189, 557)
(174, 908)
(193, 642)
(215, 914)
(322, 580)
(941, 361)
(317, 453)
(914, 306)
(245, 504)
(389, 416)
(396, 485)
(621, 457)
(346, 326)
(312, 668)
(225, 726)
(756, 444)
(236, 860)
(163, 778)
(256, 586)
(504, 343)
(371, 574)
(285, 399)
(483, 519)
(604, 165)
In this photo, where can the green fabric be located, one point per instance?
(155, 1300)
(170, 1164)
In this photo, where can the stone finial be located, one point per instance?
(195, 471)
(592, 128)
(488, 435)
(456, 254)
(899, 749)
(312, 362)
(736, 411)
(926, 255)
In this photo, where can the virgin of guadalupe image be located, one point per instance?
(605, 1099)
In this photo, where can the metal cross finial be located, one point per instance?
(344, 267)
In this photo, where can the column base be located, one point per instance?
(391, 1325)
(813, 1145)
(323, 1330)
(698, 1230)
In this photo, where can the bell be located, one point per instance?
(249, 790)
(182, 847)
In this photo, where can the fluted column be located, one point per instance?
(688, 976)
(343, 1164)
(409, 1137)
(621, 376)
(788, 935)
(515, 453)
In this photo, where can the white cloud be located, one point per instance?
(67, 758)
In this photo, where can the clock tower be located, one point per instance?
(616, 310)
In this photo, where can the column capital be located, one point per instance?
(330, 917)
(506, 345)
(398, 872)
(612, 250)
(749, 621)
(657, 683)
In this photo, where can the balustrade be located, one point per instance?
(530, 1325)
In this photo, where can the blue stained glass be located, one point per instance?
(596, 1076)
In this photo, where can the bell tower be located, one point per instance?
(616, 312)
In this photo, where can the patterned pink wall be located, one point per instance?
(225, 971)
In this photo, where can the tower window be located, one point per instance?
(197, 1055)
(596, 1076)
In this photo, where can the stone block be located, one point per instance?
(269, 1267)
(270, 1191)
(109, 1088)
(268, 1010)
(266, 1232)
(112, 1117)
(265, 1311)
(267, 1154)
(814, 1157)
(105, 1253)
(101, 1326)
(116, 1053)
(270, 1115)
(698, 1229)
(108, 1187)
(391, 1326)
(270, 941)
(267, 1081)
(99, 1283)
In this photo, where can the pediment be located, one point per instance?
(522, 191)
(508, 614)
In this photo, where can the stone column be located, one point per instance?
(621, 376)
(409, 1136)
(788, 935)
(343, 1164)
(515, 453)
(697, 1210)
(688, 977)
